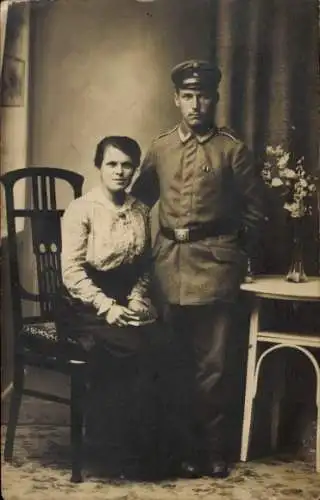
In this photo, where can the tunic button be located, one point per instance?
(206, 168)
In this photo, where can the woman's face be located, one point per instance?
(116, 170)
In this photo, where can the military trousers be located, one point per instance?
(202, 335)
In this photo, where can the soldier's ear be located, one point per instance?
(176, 98)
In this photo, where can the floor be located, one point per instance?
(41, 469)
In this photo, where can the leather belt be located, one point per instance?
(206, 230)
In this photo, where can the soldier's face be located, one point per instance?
(196, 106)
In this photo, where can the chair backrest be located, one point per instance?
(44, 218)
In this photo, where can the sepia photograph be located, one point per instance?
(160, 249)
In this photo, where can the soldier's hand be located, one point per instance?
(145, 309)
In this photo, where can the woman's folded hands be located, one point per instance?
(139, 312)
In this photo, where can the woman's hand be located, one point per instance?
(143, 307)
(120, 315)
(137, 306)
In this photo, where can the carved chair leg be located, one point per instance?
(78, 389)
(15, 402)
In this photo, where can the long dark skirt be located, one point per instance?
(128, 404)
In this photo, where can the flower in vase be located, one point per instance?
(276, 182)
(295, 209)
(282, 172)
(288, 173)
(283, 161)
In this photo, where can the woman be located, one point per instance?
(106, 304)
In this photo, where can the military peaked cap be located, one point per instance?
(196, 74)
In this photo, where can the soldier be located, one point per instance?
(209, 206)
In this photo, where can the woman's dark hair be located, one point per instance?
(125, 144)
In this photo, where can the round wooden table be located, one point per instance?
(277, 288)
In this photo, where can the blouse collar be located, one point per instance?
(97, 195)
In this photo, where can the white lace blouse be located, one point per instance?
(96, 232)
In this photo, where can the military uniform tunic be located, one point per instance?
(201, 179)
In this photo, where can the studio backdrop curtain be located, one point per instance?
(268, 53)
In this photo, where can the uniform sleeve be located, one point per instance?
(250, 188)
(146, 187)
(75, 231)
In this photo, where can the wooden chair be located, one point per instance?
(37, 341)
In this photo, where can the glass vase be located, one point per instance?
(296, 272)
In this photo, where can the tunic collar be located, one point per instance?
(185, 134)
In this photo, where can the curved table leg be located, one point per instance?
(279, 378)
(316, 366)
(250, 380)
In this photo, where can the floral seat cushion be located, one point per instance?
(42, 338)
(44, 331)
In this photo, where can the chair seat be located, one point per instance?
(45, 331)
(43, 339)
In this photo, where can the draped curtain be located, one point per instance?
(268, 52)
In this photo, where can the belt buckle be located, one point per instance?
(182, 234)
